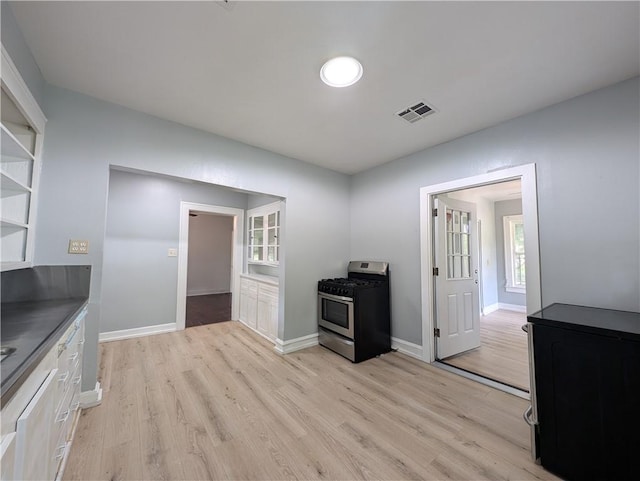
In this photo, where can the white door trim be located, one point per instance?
(527, 175)
(183, 256)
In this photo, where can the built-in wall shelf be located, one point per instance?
(10, 224)
(8, 182)
(12, 148)
(22, 128)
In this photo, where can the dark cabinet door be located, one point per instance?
(588, 397)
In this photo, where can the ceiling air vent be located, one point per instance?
(415, 112)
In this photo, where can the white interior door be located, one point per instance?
(456, 282)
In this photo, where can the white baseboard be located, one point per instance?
(136, 332)
(512, 307)
(491, 308)
(89, 399)
(292, 345)
(206, 292)
(406, 347)
(255, 330)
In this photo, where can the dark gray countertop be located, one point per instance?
(609, 322)
(32, 328)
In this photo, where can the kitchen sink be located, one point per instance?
(6, 351)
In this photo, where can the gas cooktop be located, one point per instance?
(346, 286)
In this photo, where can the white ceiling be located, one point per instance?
(508, 190)
(251, 71)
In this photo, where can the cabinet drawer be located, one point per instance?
(62, 414)
(68, 407)
(69, 359)
(60, 446)
(63, 380)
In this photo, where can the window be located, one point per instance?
(514, 257)
(458, 254)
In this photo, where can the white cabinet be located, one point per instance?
(42, 414)
(67, 399)
(259, 306)
(268, 311)
(34, 445)
(263, 234)
(248, 302)
(22, 125)
(8, 457)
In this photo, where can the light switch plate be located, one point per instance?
(172, 252)
(78, 246)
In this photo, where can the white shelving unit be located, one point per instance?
(22, 126)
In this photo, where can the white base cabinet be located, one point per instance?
(34, 445)
(267, 320)
(8, 457)
(259, 306)
(249, 302)
(38, 421)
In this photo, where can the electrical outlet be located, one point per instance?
(172, 253)
(78, 246)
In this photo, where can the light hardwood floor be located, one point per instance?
(216, 402)
(502, 355)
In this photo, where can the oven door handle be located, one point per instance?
(333, 297)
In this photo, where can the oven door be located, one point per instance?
(336, 314)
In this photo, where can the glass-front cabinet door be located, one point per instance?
(263, 235)
(273, 233)
(256, 238)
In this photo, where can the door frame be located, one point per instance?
(237, 249)
(527, 175)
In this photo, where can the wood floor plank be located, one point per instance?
(503, 352)
(217, 402)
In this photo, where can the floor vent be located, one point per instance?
(415, 112)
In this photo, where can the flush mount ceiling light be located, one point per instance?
(341, 72)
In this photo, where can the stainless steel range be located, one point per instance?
(354, 314)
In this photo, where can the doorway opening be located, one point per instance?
(209, 264)
(489, 236)
(477, 282)
(209, 261)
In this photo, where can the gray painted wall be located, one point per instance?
(586, 152)
(86, 136)
(14, 43)
(139, 280)
(260, 200)
(502, 208)
(210, 254)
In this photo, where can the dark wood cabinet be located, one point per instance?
(587, 388)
